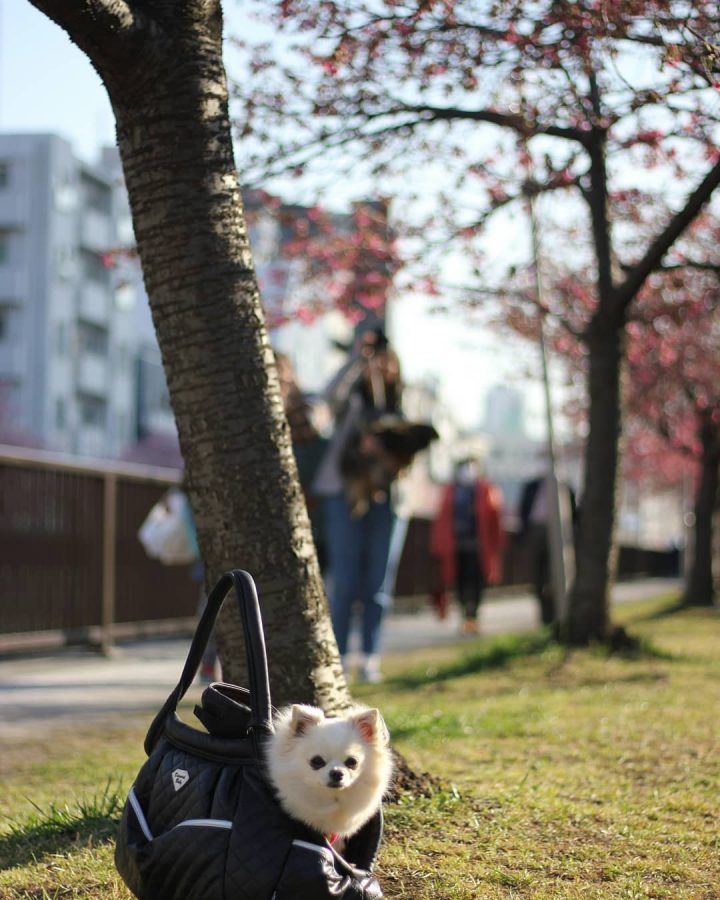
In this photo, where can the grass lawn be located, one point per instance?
(566, 776)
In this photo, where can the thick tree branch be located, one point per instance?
(84, 18)
(504, 120)
(627, 291)
(596, 195)
(103, 29)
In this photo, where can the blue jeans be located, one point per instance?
(357, 559)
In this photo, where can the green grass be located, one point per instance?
(565, 775)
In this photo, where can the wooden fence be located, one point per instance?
(71, 565)
(72, 568)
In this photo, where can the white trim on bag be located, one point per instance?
(206, 823)
(137, 809)
(145, 828)
(317, 848)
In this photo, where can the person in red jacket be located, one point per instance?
(467, 540)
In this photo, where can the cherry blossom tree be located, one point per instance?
(347, 262)
(674, 395)
(467, 109)
(672, 421)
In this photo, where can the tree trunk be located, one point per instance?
(164, 72)
(596, 555)
(589, 612)
(699, 585)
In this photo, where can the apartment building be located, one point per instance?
(80, 369)
(66, 326)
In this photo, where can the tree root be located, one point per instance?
(407, 781)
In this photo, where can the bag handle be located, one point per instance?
(249, 607)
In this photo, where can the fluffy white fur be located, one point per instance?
(340, 795)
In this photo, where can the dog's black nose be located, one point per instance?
(335, 776)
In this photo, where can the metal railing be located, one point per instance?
(71, 566)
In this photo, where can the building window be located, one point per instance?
(94, 268)
(4, 174)
(60, 414)
(66, 195)
(93, 339)
(61, 338)
(65, 263)
(4, 247)
(4, 324)
(97, 195)
(92, 411)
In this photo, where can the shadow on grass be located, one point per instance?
(671, 607)
(499, 652)
(488, 655)
(58, 829)
(624, 645)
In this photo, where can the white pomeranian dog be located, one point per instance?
(330, 773)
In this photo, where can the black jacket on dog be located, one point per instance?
(201, 821)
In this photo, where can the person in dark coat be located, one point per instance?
(533, 515)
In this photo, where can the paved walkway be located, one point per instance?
(74, 686)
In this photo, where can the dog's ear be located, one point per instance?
(371, 726)
(303, 717)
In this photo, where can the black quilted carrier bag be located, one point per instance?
(201, 821)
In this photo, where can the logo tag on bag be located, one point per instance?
(180, 778)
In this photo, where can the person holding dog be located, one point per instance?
(467, 540)
(357, 509)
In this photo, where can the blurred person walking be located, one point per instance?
(466, 540)
(533, 516)
(309, 446)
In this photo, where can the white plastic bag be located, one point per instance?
(165, 532)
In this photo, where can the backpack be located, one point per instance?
(201, 821)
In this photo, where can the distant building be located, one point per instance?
(80, 369)
(66, 340)
(504, 411)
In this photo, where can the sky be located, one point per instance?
(48, 85)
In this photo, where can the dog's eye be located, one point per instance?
(317, 762)
(351, 762)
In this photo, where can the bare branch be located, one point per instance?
(627, 291)
(303, 154)
(688, 264)
(526, 297)
(504, 120)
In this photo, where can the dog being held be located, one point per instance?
(372, 459)
(330, 773)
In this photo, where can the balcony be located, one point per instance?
(96, 231)
(92, 375)
(94, 303)
(13, 209)
(12, 362)
(13, 283)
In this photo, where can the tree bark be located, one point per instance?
(700, 584)
(589, 609)
(589, 618)
(162, 65)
